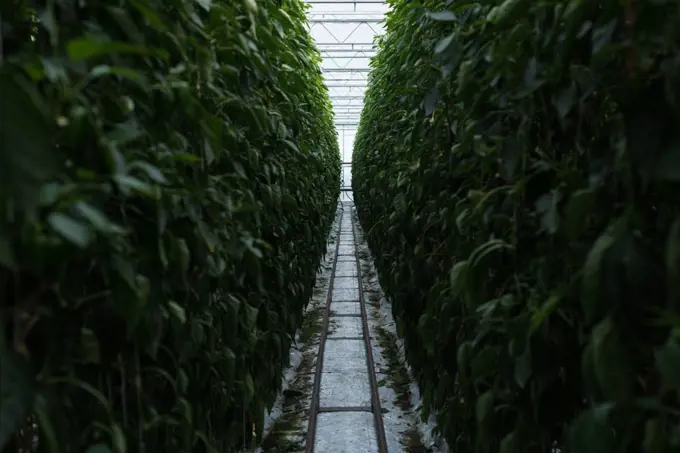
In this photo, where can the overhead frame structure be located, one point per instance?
(344, 31)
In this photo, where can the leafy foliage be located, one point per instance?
(169, 171)
(516, 169)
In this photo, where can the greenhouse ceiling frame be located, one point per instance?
(346, 50)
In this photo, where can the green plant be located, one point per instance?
(515, 169)
(169, 171)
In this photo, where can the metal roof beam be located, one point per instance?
(365, 20)
(358, 53)
(353, 51)
(347, 13)
(345, 69)
(344, 44)
(346, 2)
(345, 57)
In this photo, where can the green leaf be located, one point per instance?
(89, 347)
(613, 368)
(510, 443)
(130, 184)
(578, 210)
(118, 439)
(17, 390)
(80, 49)
(7, 254)
(545, 311)
(98, 448)
(125, 133)
(250, 316)
(205, 4)
(152, 172)
(547, 206)
(667, 167)
(591, 299)
(668, 362)
(603, 35)
(565, 100)
(523, 367)
(463, 356)
(26, 153)
(249, 388)
(126, 73)
(486, 249)
(177, 312)
(70, 229)
(672, 264)
(48, 435)
(442, 16)
(655, 436)
(484, 408)
(443, 44)
(590, 433)
(97, 219)
(430, 101)
(457, 277)
(184, 256)
(149, 14)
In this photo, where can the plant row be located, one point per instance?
(516, 170)
(169, 171)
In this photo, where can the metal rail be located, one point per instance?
(375, 407)
(314, 404)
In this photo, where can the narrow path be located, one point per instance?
(361, 398)
(345, 414)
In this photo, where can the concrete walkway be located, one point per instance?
(347, 415)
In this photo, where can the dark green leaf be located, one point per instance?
(86, 48)
(443, 44)
(590, 433)
(613, 368)
(26, 153)
(70, 229)
(99, 448)
(442, 16)
(17, 390)
(668, 362)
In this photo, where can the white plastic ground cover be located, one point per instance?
(402, 419)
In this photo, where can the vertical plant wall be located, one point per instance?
(169, 171)
(516, 170)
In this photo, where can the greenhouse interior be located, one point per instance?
(339, 226)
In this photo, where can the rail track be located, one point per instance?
(345, 412)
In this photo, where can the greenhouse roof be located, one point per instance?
(344, 31)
